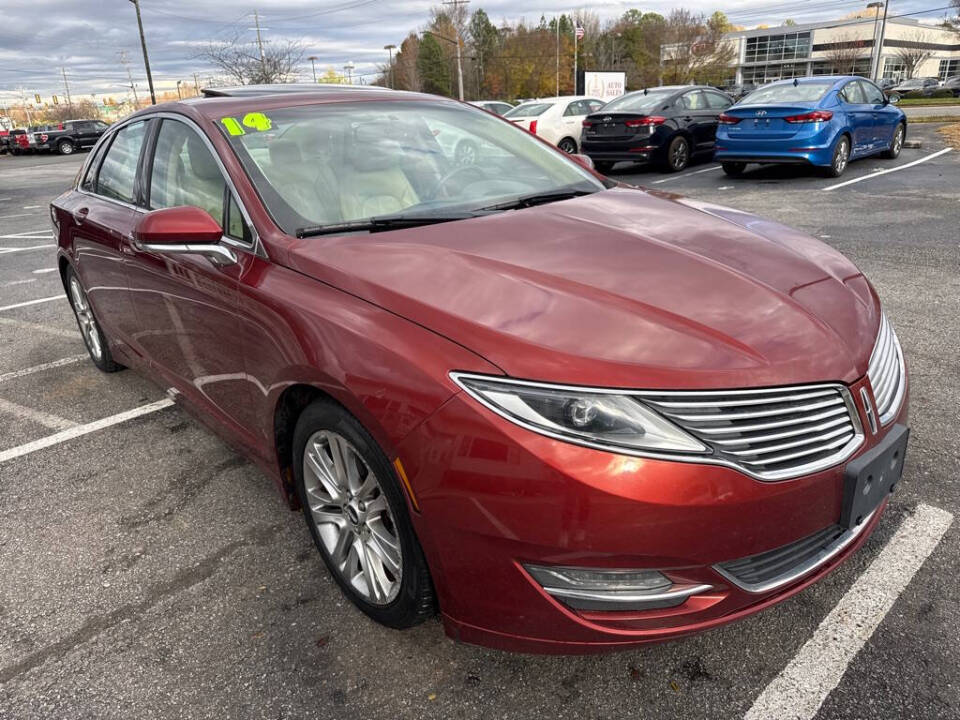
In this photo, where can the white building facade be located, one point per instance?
(787, 51)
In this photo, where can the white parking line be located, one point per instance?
(889, 170)
(13, 374)
(802, 686)
(11, 283)
(4, 217)
(31, 302)
(44, 270)
(680, 177)
(22, 412)
(81, 430)
(48, 246)
(43, 329)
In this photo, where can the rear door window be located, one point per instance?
(718, 101)
(852, 93)
(871, 92)
(118, 172)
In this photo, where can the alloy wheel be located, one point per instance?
(88, 324)
(898, 140)
(679, 154)
(352, 517)
(568, 146)
(842, 156)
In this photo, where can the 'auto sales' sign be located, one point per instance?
(604, 85)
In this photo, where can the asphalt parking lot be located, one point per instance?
(149, 571)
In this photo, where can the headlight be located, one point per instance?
(596, 418)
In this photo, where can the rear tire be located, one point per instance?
(65, 147)
(677, 156)
(896, 144)
(841, 157)
(360, 511)
(734, 169)
(568, 145)
(93, 337)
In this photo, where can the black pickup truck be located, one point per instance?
(69, 136)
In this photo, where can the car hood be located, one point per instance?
(622, 288)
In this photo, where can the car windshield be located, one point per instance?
(636, 102)
(528, 110)
(788, 92)
(343, 163)
(911, 83)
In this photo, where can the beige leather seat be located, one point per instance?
(305, 186)
(372, 182)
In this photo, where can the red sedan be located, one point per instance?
(569, 415)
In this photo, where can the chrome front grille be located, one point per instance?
(778, 567)
(771, 433)
(887, 373)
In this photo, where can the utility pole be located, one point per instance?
(349, 68)
(558, 57)
(457, 4)
(126, 64)
(313, 64)
(874, 51)
(26, 106)
(146, 59)
(256, 19)
(179, 94)
(576, 30)
(883, 31)
(390, 49)
(196, 84)
(66, 86)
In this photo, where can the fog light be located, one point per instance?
(600, 589)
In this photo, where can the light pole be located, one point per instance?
(883, 31)
(390, 49)
(146, 59)
(179, 94)
(349, 68)
(313, 64)
(875, 50)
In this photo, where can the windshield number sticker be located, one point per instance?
(254, 121)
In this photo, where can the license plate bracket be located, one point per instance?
(868, 479)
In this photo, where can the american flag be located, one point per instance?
(579, 32)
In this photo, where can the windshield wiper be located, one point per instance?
(383, 222)
(525, 201)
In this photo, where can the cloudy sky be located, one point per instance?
(38, 37)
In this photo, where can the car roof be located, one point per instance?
(283, 88)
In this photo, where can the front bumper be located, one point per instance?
(495, 497)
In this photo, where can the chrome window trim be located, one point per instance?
(842, 453)
(821, 558)
(255, 247)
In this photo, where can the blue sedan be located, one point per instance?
(821, 121)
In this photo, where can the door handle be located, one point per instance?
(80, 214)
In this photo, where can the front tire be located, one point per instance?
(357, 516)
(568, 145)
(65, 147)
(841, 157)
(896, 144)
(603, 166)
(93, 337)
(734, 169)
(678, 155)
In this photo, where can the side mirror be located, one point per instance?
(893, 99)
(182, 230)
(582, 160)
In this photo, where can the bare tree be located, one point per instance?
(248, 64)
(954, 22)
(695, 49)
(914, 55)
(844, 54)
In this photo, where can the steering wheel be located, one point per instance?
(441, 184)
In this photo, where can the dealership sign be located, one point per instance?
(604, 85)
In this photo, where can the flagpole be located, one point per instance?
(558, 57)
(575, 25)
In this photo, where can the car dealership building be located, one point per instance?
(787, 51)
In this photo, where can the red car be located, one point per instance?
(569, 415)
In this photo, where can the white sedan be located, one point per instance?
(557, 120)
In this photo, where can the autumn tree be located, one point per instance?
(695, 48)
